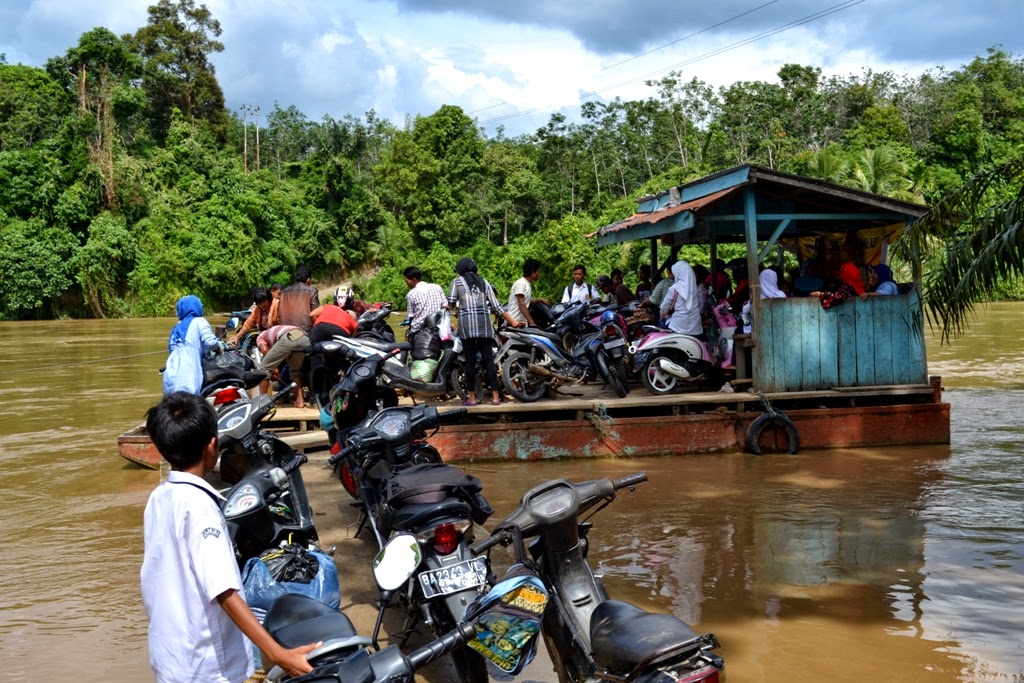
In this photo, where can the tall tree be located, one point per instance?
(177, 43)
(100, 71)
(31, 106)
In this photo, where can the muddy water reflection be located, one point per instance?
(882, 564)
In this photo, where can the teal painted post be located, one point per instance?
(881, 308)
(846, 329)
(793, 347)
(828, 344)
(810, 353)
(865, 343)
(917, 355)
(765, 371)
(904, 365)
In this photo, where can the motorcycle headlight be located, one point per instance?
(242, 499)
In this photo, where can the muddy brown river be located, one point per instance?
(888, 564)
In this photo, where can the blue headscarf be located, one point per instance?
(883, 272)
(189, 308)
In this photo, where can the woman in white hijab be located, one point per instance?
(769, 280)
(681, 304)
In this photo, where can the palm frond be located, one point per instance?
(982, 227)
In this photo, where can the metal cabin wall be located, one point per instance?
(802, 347)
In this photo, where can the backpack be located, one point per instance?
(567, 294)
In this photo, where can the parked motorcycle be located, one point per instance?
(403, 487)
(247, 452)
(373, 324)
(667, 360)
(534, 360)
(344, 657)
(588, 635)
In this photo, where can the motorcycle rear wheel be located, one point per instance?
(656, 380)
(619, 370)
(457, 384)
(519, 382)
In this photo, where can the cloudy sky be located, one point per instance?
(514, 63)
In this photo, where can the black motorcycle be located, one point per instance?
(294, 620)
(402, 487)
(249, 455)
(590, 636)
(574, 350)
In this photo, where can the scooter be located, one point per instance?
(535, 360)
(403, 487)
(344, 657)
(668, 359)
(588, 635)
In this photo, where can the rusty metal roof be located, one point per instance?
(655, 216)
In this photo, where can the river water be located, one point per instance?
(844, 565)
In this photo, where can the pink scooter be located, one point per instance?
(667, 359)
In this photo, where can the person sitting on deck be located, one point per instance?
(769, 281)
(885, 286)
(681, 305)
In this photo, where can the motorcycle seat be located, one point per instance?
(295, 619)
(543, 333)
(385, 345)
(409, 517)
(623, 635)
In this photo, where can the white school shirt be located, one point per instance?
(189, 560)
(575, 292)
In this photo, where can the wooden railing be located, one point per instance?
(876, 342)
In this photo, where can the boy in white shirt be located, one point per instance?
(521, 294)
(191, 586)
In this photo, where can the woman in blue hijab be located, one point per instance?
(190, 340)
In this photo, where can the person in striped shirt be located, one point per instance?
(476, 300)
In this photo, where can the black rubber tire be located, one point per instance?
(519, 382)
(773, 419)
(470, 667)
(619, 368)
(658, 386)
(609, 375)
(457, 383)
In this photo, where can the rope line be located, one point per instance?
(84, 362)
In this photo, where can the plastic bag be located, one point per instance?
(445, 326)
(295, 562)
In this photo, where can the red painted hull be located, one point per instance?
(135, 446)
(714, 432)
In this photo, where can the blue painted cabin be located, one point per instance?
(795, 345)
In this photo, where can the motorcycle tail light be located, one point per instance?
(226, 396)
(708, 674)
(445, 538)
(611, 331)
(335, 448)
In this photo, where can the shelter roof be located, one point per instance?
(778, 203)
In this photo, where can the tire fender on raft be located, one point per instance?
(772, 418)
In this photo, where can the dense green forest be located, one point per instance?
(125, 182)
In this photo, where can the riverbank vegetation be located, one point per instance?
(125, 182)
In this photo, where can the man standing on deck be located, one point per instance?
(423, 299)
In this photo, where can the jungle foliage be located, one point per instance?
(125, 183)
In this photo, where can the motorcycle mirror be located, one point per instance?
(396, 562)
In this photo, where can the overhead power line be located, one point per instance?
(707, 55)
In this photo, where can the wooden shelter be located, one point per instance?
(795, 345)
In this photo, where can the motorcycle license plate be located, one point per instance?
(457, 577)
(615, 343)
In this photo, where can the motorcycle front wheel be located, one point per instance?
(457, 384)
(522, 384)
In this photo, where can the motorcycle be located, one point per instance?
(344, 657)
(588, 635)
(668, 359)
(402, 487)
(534, 360)
(373, 324)
(249, 455)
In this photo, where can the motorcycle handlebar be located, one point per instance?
(451, 414)
(442, 646)
(294, 464)
(630, 480)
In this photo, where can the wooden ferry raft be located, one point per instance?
(298, 427)
(592, 422)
